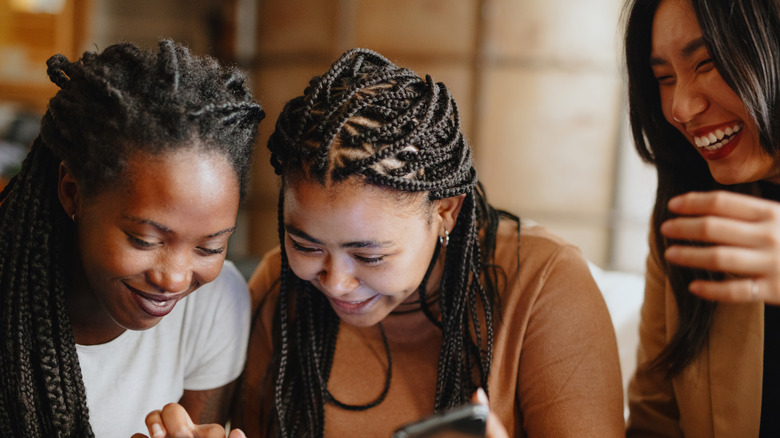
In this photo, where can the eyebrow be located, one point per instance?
(686, 51)
(291, 229)
(165, 229)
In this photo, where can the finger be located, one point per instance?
(723, 203)
(480, 397)
(154, 424)
(209, 431)
(176, 420)
(743, 290)
(237, 433)
(494, 428)
(727, 259)
(139, 435)
(715, 229)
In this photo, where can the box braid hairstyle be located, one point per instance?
(109, 106)
(366, 118)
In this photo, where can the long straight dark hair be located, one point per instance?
(743, 39)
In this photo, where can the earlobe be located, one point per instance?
(67, 191)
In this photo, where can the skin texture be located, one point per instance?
(744, 231)
(162, 233)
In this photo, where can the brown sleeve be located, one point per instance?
(569, 378)
(252, 408)
(651, 400)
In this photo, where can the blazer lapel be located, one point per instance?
(736, 351)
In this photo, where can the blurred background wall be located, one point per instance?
(538, 83)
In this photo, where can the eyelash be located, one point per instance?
(148, 245)
(300, 248)
(209, 251)
(140, 242)
(307, 250)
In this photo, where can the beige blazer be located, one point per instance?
(719, 394)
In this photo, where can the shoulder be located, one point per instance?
(533, 249)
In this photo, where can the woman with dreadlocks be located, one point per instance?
(122, 209)
(399, 291)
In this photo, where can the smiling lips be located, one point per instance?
(154, 305)
(717, 138)
(353, 306)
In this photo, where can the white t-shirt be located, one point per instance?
(200, 345)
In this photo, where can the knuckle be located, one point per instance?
(709, 228)
(722, 258)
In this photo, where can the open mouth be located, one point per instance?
(154, 305)
(718, 138)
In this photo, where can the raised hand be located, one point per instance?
(744, 233)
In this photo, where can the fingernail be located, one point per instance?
(157, 431)
(674, 203)
(481, 396)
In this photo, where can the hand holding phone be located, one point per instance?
(464, 421)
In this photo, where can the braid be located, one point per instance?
(43, 394)
(109, 106)
(370, 119)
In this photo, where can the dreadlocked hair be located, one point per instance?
(109, 106)
(369, 119)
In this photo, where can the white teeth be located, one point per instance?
(717, 136)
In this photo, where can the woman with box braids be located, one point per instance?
(119, 116)
(368, 118)
(399, 291)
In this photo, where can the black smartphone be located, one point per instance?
(464, 421)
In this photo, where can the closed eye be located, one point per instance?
(211, 251)
(705, 66)
(369, 260)
(300, 248)
(143, 244)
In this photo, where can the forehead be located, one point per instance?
(173, 176)
(352, 207)
(674, 27)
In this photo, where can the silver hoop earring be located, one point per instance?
(445, 239)
(73, 217)
(676, 119)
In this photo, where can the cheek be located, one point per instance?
(208, 269)
(305, 268)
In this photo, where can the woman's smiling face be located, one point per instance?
(151, 240)
(364, 247)
(697, 101)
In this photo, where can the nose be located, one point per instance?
(173, 271)
(337, 278)
(688, 102)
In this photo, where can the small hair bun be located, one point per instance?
(58, 67)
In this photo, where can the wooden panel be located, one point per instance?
(29, 39)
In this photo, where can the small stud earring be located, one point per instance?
(445, 239)
(73, 217)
